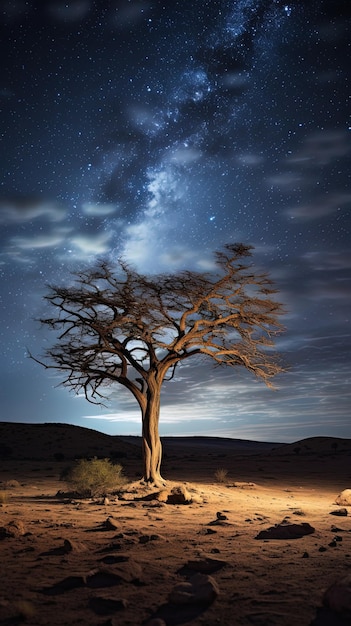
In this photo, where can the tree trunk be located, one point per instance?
(152, 448)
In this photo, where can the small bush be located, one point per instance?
(95, 477)
(221, 475)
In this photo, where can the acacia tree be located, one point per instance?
(115, 325)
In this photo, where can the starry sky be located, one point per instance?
(160, 130)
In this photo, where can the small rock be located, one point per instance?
(339, 512)
(322, 549)
(147, 538)
(204, 566)
(106, 605)
(344, 498)
(200, 589)
(15, 528)
(73, 546)
(106, 501)
(221, 516)
(242, 485)
(305, 555)
(111, 524)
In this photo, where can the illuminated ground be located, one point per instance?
(53, 572)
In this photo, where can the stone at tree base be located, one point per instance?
(179, 495)
(344, 498)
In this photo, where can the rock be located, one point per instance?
(243, 485)
(221, 516)
(179, 495)
(15, 528)
(146, 538)
(66, 584)
(199, 589)
(344, 498)
(111, 524)
(109, 577)
(204, 566)
(338, 597)
(162, 496)
(339, 512)
(107, 605)
(73, 546)
(285, 530)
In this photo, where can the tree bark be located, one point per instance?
(152, 447)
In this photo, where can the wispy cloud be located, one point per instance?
(25, 210)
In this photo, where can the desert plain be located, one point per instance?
(241, 534)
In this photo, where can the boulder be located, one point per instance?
(344, 498)
(285, 530)
(179, 495)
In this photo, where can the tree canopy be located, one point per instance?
(116, 325)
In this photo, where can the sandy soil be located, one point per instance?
(138, 560)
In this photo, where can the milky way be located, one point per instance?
(160, 131)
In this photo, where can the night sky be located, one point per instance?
(161, 130)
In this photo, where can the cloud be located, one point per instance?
(184, 154)
(326, 261)
(87, 246)
(323, 148)
(96, 209)
(320, 207)
(35, 242)
(23, 210)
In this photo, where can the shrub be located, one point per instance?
(95, 477)
(221, 475)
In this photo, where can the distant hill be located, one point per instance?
(315, 445)
(61, 442)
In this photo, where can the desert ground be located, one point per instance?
(269, 546)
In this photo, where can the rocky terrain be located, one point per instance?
(268, 545)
